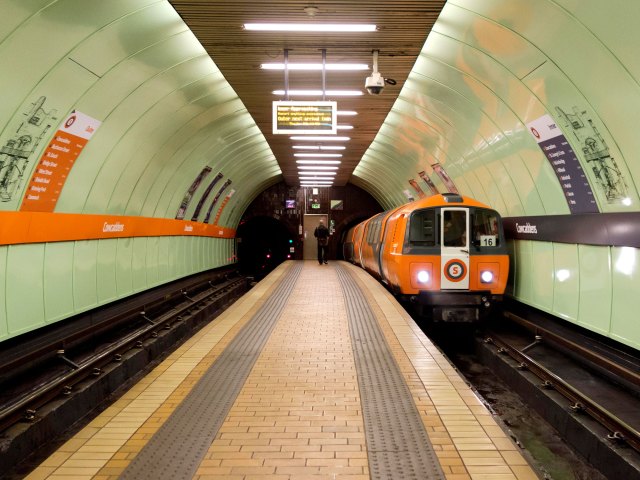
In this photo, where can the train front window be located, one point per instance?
(485, 228)
(454, 228)
(422, 228)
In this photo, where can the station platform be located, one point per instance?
(317, 372)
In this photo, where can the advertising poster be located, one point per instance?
(222, 205)
(205, 195)
(565, 164)
(52, 170)
(417, 188)
(432, 186)
(189, 195)
(215, 200)
(446, 179)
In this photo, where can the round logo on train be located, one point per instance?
(455, 270)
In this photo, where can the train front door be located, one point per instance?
(454, 239)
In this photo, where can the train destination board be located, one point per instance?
(565, 164)
(315, 118)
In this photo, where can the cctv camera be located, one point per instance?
(374, 84)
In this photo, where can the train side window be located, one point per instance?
(485, 228)
(422, 228)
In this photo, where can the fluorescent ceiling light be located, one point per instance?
(315, 182)
(315, 179)
(347, 113)
(319, 147)
(310, 27)
(315, 93)
(311, 138)
(316, 167)
(318, 155)
(315, 66)
(318, 162)
(345, 127)
(319, 174)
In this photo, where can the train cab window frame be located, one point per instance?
(422, 234)
(485, 229)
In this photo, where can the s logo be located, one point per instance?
(455, 270)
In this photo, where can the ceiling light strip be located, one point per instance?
(309, 27)
(318, 155)
(316, 66)
(313, 93)
(312, 138)
(319, 147)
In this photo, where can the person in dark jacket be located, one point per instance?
(322, 235)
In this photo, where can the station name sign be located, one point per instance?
(315, 118)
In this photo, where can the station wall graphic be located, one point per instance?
(446, 179)
(188, 196)
(17, 151)
(595, 154)
(565, 164)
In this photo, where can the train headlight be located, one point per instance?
(423, 276)
(486, 276)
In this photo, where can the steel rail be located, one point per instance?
(625, 373)
(24, 406)
(620, 431)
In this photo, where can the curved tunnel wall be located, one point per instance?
(488, 69)
(164, 114)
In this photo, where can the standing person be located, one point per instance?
(322, 234)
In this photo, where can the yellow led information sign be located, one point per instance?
(315, 118)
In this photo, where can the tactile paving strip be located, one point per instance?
(398, 445)
(178, 447)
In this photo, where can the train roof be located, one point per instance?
(444, 200)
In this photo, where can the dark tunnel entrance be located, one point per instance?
(263, 244)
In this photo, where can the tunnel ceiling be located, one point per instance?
(402, 27)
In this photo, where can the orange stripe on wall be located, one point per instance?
(40, 227)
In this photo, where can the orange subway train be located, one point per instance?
(446, 254)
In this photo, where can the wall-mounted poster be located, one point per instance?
(215, 200)
(337, 204)
(51, 172)
(596, 154)
(446, 179)
(189, 195)
(409, 195)
(565, 164)
(417, 188)
(22, 139)
(204, 197)
(432, 186)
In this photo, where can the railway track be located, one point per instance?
(594, 383)
(580, 401)
(46, 369)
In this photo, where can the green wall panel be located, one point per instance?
(542, 275)
(566, 284)
(24, 287)
(626, 301)
(595, 288)
(146, 25)
(58, 281)
(153, 261)
(124, 259)
(164, 260)
(138, 264)
(85, 289)
(106, 269)
(523, 263)
(4, 328)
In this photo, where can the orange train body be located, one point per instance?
(447, 253)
